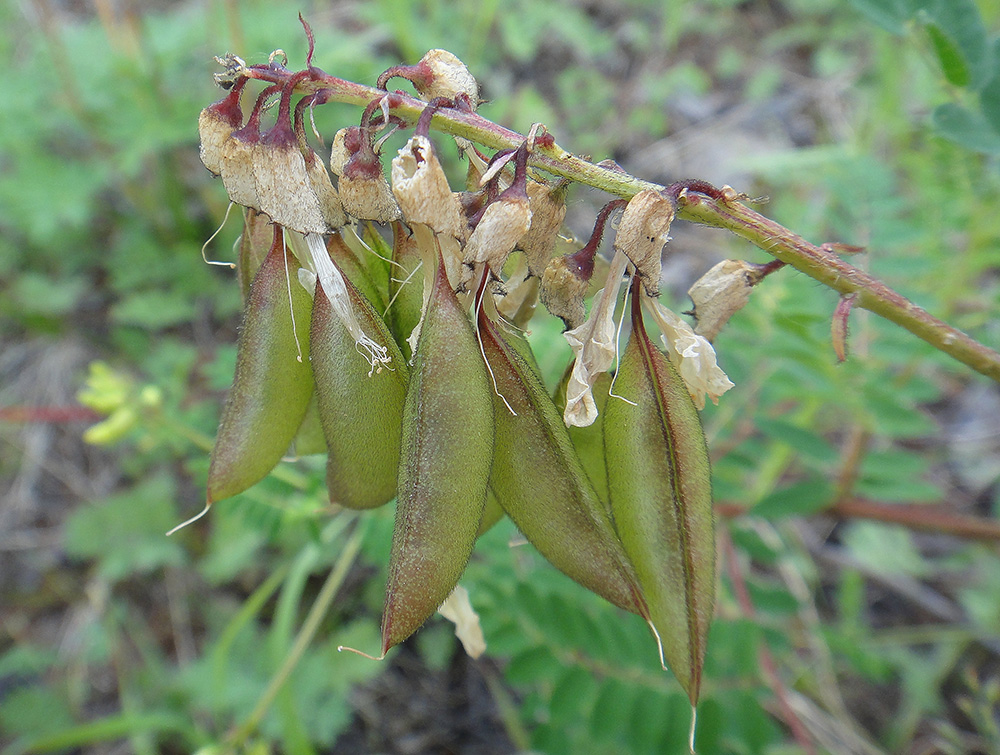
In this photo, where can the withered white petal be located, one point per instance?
(458, 609)
(593, 343)
(333, 285)
(691, 354)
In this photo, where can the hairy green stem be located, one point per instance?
(695, 205)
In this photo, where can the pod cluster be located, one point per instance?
(405, 360)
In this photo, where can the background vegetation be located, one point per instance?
(872, 122)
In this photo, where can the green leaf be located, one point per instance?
(953, 63)
(803, 441)
(958, 36)
(125, 533)
(531, 665)
(891, 15)
(34, 711)
(796, 500)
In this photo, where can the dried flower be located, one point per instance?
(594, 346)
(457, 608)
(719, 294)
(643, 231)
(691, 354)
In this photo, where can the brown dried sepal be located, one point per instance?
(563, 289)
(216, 124)
(644, 229)
(548, 211)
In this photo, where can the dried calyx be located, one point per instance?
(364, 190)
(566, 279)
(438, 74)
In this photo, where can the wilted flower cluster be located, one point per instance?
(406, 362)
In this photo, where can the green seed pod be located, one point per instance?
(255, 242)
(660, 486)
(310, 440)
(589, 441)
(540, 483)
(361, 409)
(492, 513)
(447, 450)
(406, 286)
(273, 383)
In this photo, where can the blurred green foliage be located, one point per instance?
(103, 209)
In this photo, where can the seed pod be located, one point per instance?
(309, 440)
(539, 482)
(644, 229)
(447, 450)
(272, 385)
(255, 242)
(349, 264)
(360, 409)
(405, 286)
(492, 513)
(589, 441)
(660, 487)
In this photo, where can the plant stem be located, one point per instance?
(699, 203)
(309, 627)
(915, 516)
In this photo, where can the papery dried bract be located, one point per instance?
(368, 198)
(331, 208)
(502, 225)
(272, 385)
(422, 190)
(548, 211)
(447, 451)
(237, 170)
(448, 76)
(284, 189)
(660, 489)
(216, 124)
(563, 289)
(459, 611)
